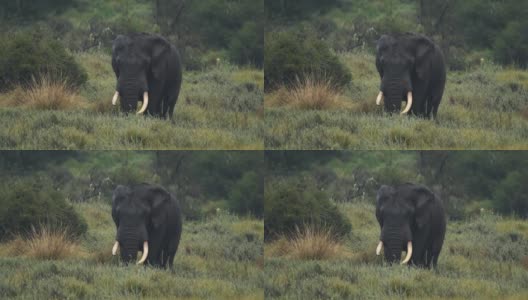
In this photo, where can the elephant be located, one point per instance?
(412, 69)
(147, 218)
(411, 218)
(147, 68)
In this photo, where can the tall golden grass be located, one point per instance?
(309, 243)
(309, 93)
(45, 92)
(45, 243)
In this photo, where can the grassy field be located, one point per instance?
(483, 108)
(220, 108)
(482, 258)
(221, 258)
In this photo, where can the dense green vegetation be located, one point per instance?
(292, 204)
(291, 57)
(484, 253)
(484, 104)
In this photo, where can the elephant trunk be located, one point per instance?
(393, 242)
(129, 93)
(129, 250)
(394, 93)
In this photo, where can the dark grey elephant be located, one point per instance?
(411, 218)
(147, 68)
(412, 69)
(148, 219)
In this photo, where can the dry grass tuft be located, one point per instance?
(44, 243)
(45, 93)
(309, 94)
(309, 243)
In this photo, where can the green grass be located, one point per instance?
(482, 258)
(220, 108)
(221, 258)
(483, 108)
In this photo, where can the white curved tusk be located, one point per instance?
(145, 103)
(380, 97)
(409, 103)
(409, 253)
(114, 249)
(114, 100)
(378, 249)
(145, 253)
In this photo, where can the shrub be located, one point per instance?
(294, 202)
(28, 202)
(26, 55)
(292, 55)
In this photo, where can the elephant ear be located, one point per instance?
(158, 60)
(158, 201)
(422, 202)
(423, 49)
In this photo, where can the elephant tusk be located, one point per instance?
(409, 253)
(145, 253)
(114, 249)
(380, 97)
(409, 103)
(145, 103)
(378, 249)
(114, 99)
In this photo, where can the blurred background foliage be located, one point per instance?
(467, 31)
(469, 182)
(38, 187)
(206, 32)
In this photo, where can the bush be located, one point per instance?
(29, 202)
(297, 202)
(292, 55)
(25, 55)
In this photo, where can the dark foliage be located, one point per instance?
(297, 202)
(27, 55)
(27, 203)
(291, 56)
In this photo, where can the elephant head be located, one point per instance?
(135, 212)
(137, 60)
(401, 211)
(401, 62)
